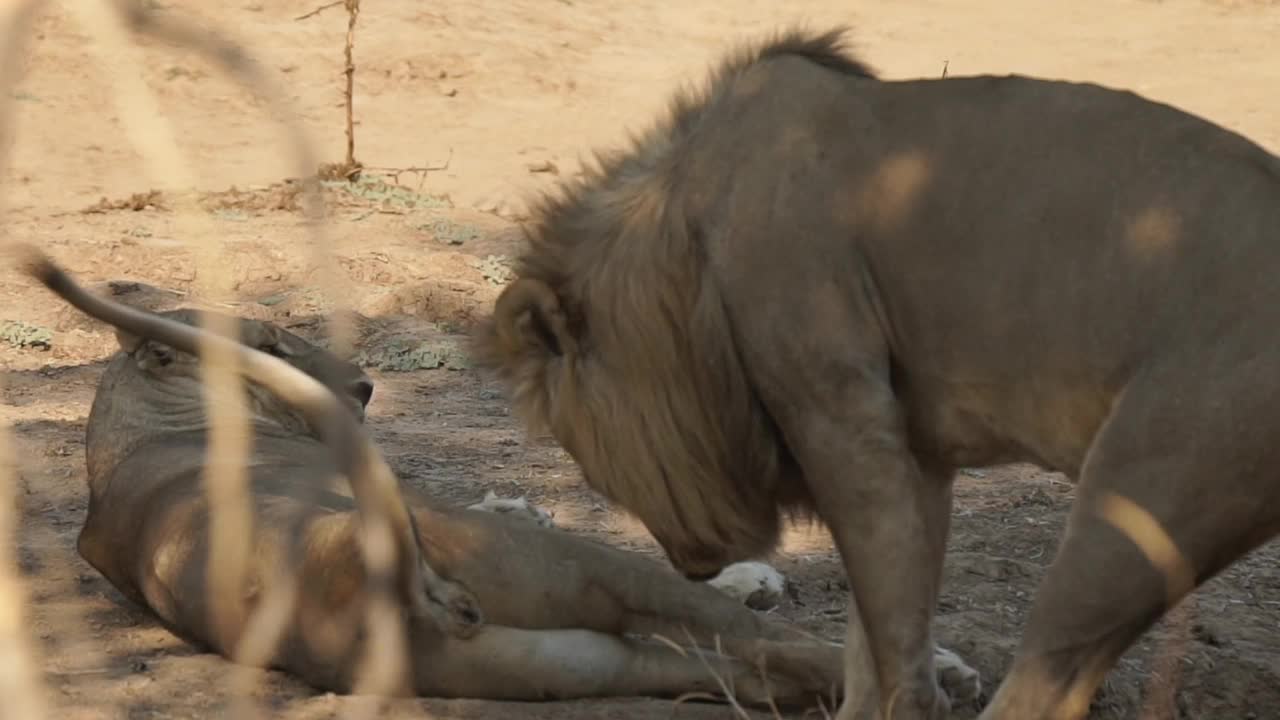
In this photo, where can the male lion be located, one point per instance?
(812, 290)
(556, 607)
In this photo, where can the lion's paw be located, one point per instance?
(518, 506)
(962, 683)
(756, 584)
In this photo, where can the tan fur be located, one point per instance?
(807, 290)
(559, 611)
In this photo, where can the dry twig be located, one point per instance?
(353, 12)
(320, 9)
(349, 168)
(422, 171)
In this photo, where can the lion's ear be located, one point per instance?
(528, 315)
(154, 355)
(128, 342)
(260, 335)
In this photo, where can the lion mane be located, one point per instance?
(614, 337)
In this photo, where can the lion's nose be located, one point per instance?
(696, 576)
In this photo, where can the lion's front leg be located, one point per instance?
(822, 370)
(894, 572)
(890, 529)
(960, 681)
(890, 521)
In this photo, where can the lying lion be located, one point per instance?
(813, 291)
(557, 609)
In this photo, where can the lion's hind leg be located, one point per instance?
(1177, 485)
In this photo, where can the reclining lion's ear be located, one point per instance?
(259, 335)
(528, 315)
(127, 341)
(157, 354)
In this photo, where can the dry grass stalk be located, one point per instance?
(387, 650)
(229, 442)
(21, 685)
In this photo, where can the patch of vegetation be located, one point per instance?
(275, 299)
(378, 191)
(495, 268)
(230, 214)
(449, 232)
(399, 355)
(24, 335)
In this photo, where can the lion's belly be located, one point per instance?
(977, 424)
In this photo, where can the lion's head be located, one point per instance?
(152, 388)
(614, 338)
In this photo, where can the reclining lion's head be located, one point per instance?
(176, 375)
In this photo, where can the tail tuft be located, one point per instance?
(31, 261)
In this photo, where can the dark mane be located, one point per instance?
(553, 233)
(647, 391)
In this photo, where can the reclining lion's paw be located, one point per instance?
(457, 610)
(756, 584)
(962, 683)
(518, 506)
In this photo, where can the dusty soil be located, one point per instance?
(508, 94)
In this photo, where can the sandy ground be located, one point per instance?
(508, 94)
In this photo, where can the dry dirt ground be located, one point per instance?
(509, 94)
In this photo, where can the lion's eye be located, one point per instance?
(161, 355)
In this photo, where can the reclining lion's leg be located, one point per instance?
(707, 614)
(504, 663)
(535, 578)
(1175, 487)
(701, 614)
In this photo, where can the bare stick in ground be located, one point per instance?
(353, 12)
(349, 168)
